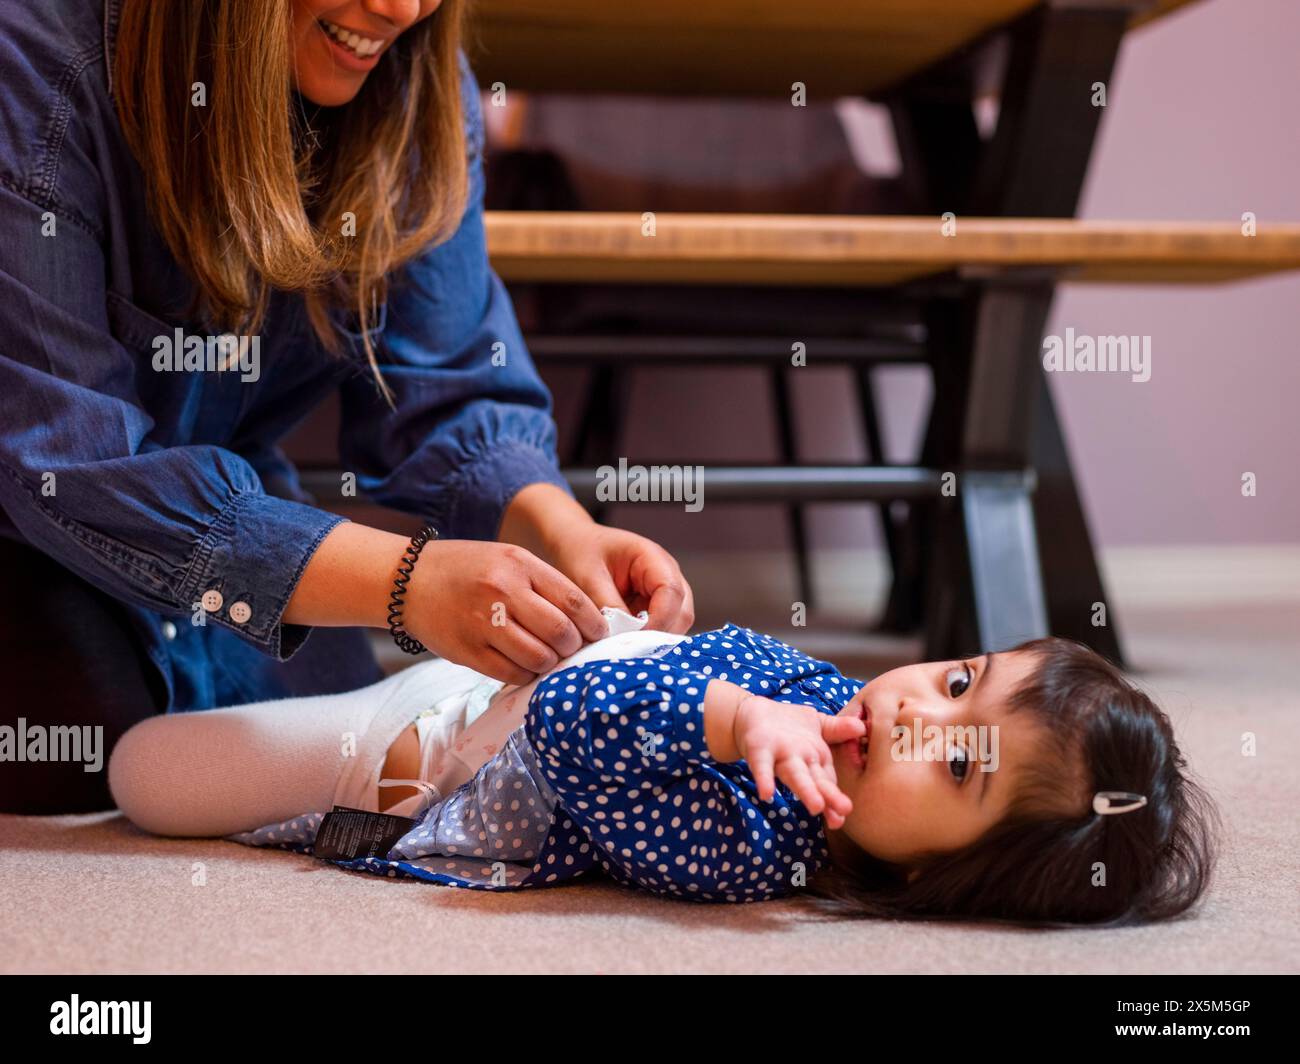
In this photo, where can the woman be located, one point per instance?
(213, 215)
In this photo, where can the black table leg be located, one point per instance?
(988, 585)
(1034, 165)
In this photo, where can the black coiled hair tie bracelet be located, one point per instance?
(403, 638)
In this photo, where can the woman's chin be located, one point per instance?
(333, 90)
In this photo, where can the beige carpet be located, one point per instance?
(93, 894)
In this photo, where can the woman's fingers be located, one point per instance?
(568, 597)
(523, 649)
(602, 589)
(545, 622)
(672, 607)
(658, 579)
(493, 663)
(686, 613)
(665, 607)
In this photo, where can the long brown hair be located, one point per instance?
(1040, 866)
(248, 199)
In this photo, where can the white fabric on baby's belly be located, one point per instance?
(500, 709)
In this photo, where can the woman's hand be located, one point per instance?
(619, 568)
(794, 742)
(497, 608)
(492, 606)
(615, 567)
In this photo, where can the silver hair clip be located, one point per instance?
(1109, 803)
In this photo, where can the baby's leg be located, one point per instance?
(402, 763)
(221, 771)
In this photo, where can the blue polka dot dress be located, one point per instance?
(610, 772)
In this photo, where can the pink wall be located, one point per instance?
(1202, 124)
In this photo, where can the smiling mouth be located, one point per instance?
(359, 45)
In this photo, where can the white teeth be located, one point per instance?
(364, 47)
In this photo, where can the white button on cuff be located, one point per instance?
(168, 630)
(240, 612)
(211, 601)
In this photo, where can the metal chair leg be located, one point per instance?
(600, 431)
(795, 513)
(876, 454)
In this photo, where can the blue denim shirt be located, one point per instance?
(168, 489)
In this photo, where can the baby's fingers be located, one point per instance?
(842, 729)
(760, 765)
(837, 802)
(799, 779)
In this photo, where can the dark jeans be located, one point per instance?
(70, 656)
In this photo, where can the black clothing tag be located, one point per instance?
(347, 834)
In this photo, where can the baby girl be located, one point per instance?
(1035, 785)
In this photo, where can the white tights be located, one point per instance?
(222, 771)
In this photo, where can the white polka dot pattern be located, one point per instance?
(622, 743)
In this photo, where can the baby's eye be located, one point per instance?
(958, 763)
(959, 676)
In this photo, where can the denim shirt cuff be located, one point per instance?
(476, 503)
(248, 564)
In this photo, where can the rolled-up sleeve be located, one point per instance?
(473, 422)
(83, 476)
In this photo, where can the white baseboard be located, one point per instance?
(1203, 575)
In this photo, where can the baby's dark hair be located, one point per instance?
(1040, 865)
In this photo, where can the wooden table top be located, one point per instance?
(728, 47)
(853, 250)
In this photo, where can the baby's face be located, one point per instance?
(942, 755)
